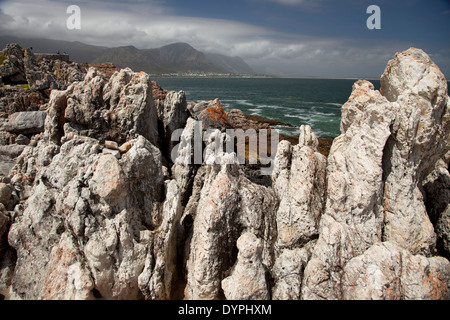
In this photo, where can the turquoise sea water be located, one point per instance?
(316, 102)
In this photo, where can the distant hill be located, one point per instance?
(177, 57)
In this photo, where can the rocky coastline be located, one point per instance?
(92, 205)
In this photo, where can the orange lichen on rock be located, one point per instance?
(218, 113)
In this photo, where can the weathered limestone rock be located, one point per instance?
(85, 109)
(214, 233)
(158, 279)
(117, 110)
(353, 216)
(248, 277)
(67, 72)
(175, 113)
(299, 181)
(211, 113)
(437, 192)
(20, 67)
(376, 167)
(5, 193)
(134, 111)
(228, 205)
(111, 145)
(68, 277)
(86, 210)
(288, 271)
(93, 208)
(26, 122)
(420, 135)
(55, 120)
(38, 78)
(11, 151)
(15, 99)
(12, 69)
(388, 272)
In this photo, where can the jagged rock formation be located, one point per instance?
(95, 206)
(390, 141)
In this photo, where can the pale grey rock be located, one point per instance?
(214, 233)
(287, 273)
(135, 111)
(67, 72)
(38, 79)
(387, 272)
(118, 110)
(376, 167)
(30, 122)
(111, 145)
(257, 207)
(158, 279)
(6, 164)
(68, 277)
(87, 209)
(307, 138)
(12, 151)
(301, 190)
(174, 114)
(5, 193)
(108, 181)
(420, 135)
(22, 140)
(88, 222)
(225, 205)
(13, 70)
(113, 89)
(353, 217)
(84, 108)
(248, 277)
(55, 120)
(115, 153)
(184, 170)
(13, 49)
(12, 67)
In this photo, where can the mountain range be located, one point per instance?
(172, 58)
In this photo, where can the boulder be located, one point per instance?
(31, 122)
(211, 113)
(11, 151)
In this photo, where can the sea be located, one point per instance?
(314, 102)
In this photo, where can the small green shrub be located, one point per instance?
(2, 59)
(24, 86)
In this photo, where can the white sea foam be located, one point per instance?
(335, 104)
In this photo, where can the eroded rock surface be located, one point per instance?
(95, 207)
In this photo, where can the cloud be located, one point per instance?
(290, 2)
(153, 24)
(308, 4)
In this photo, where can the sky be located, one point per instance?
(292, 38)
